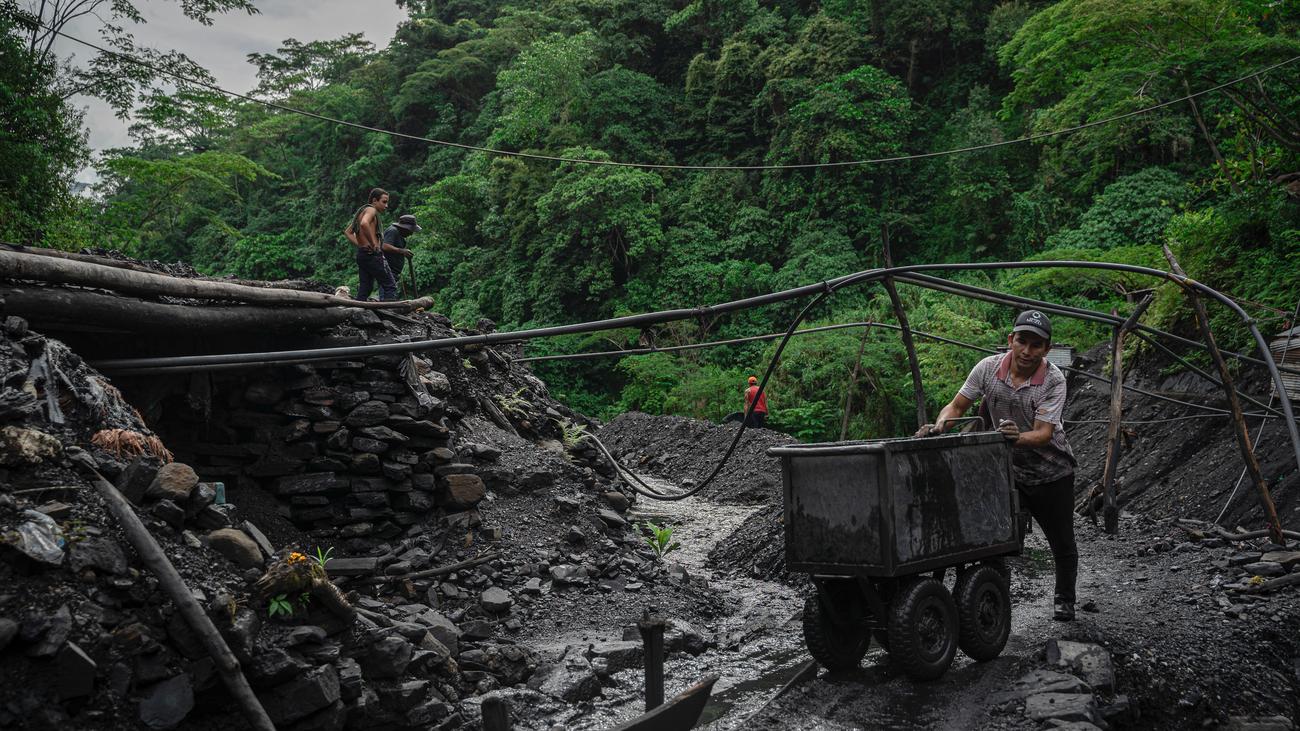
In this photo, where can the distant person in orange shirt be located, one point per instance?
(759, 415)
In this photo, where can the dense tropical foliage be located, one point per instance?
(239, 188)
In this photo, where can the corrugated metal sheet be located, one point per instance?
(1061, 356)
(1289, 356)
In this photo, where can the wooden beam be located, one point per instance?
(52, 270)
(1238, 420)
(1110, 511)
(918, 390)
(69, 308)
(299, 285)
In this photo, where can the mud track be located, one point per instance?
(1186, 652)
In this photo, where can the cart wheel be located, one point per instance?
(984, 608)
(923, 628)
(836, 647)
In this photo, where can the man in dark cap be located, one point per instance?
(1024, 395)
(394, 246)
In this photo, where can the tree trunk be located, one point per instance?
(853, 384)
(1223, 166)
(65, 308)
(54, 270)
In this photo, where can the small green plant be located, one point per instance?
(322, 558)
(515, 403)
(660, 539)
(466, 364)
(571, 433)
(280, 605)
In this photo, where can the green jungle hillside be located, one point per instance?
(239, 188)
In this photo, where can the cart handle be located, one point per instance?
(963, 419)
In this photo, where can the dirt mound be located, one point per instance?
(1183, 463)
(470, 538)
(685, 451)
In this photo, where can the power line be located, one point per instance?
(658, 166)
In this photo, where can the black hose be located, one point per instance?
(179, 364)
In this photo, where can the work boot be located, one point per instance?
(1063, 610)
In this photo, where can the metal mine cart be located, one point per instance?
(879, 523)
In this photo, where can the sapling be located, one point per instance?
(660, 539)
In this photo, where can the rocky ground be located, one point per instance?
(466, 465)
(488, 551)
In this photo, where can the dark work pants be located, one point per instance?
(374, 270)
(757, 419)
(1052, 506)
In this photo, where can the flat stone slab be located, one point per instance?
(1040, 681)
(1063, 706)
(1090, 662)
(1289, 559)
(353, 566)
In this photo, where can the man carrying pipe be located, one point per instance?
(1025, 396)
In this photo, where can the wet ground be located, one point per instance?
(761, 649)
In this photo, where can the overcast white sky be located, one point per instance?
(222, 48)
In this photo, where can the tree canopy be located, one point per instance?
(240, 188)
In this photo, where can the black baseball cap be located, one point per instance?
(1035, 322)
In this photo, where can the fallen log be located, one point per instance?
(1223, 533)
(1275, 584)
(151, 554)
(297, 285)
(55, 270)
(79, 309)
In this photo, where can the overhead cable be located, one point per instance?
(660, 166)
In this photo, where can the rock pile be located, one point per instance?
(460, 519)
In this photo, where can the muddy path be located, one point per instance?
(755, 644)
(1165, 600)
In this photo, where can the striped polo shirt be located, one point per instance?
(1041, 398)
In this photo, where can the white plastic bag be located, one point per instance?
(40, 539)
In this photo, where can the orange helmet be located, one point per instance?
(752, 380)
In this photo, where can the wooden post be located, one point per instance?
(1238, 420)
(1110, 511)
(853, 383)
(918, 391)
(496, 713)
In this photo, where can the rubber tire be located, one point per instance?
(834, 647)
(983, 611)
(923, 628)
